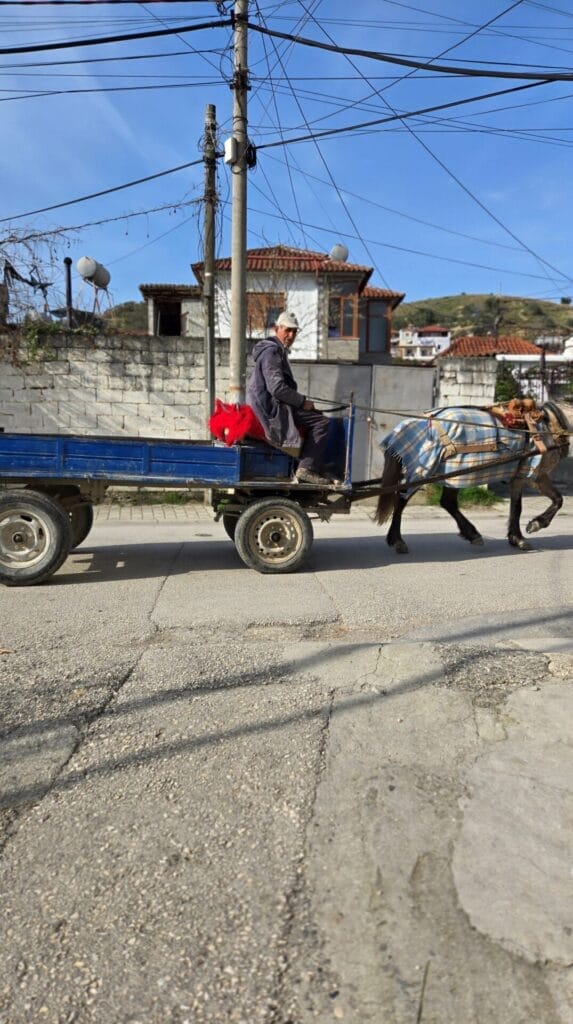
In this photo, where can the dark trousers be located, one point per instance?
(315, 427)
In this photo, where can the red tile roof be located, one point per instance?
(383, 293)
(169, 290)
(432, 329)
(286, 258)
(472, 346)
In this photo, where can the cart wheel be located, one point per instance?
(35, 537)
(230, 525)
(274, 535)
(82, 520)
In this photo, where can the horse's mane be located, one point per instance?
(558, 411)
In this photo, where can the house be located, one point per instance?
(342, 317)
(421, 343)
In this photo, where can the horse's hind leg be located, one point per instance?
(449, 502)
(394, 536)
(545, 486)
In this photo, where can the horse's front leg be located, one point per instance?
(514, 534)
(545, 486)
(394, 536)
(449, 502)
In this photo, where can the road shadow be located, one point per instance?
(196, 555)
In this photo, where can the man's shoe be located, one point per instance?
(307, 476)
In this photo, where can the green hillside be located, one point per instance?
(127, 316)
(488, 314)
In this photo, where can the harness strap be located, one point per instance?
(451, 448)
(532, 423)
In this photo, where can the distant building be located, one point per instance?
(421, 343)
(341, 316)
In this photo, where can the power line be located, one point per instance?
(124, 37)
(553, 76)
(104, 192)
(398, 117)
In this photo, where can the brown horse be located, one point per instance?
(470, 445)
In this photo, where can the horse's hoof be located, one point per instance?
(519, 542)
(401, 548)
(533, 527)
(477, 542)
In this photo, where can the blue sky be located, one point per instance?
(474, 198)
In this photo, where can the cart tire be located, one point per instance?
(230, 525)
(35, 537)
(82, 520)
(274, 535)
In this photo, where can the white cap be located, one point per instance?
(287, 320)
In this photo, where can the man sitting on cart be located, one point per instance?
(283, 411)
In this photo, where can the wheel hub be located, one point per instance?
(275, 537)
(23, 539)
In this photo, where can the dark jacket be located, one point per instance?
(272, 393)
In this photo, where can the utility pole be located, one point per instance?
(69, 305)
(209, 157)
(240, 86)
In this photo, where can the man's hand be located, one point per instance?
(308, 405)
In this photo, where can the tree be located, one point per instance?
(506, 385)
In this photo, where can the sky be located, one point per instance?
(471, 198)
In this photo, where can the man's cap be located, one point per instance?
(287, 320)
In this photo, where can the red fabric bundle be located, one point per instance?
(231, 422)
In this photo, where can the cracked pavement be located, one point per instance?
(339, 795)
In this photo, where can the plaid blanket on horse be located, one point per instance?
(450, 439)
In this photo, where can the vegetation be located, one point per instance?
(128, 316)
(488, 314)
(506, 385)
(467, 496)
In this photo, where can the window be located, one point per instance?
(263, 309)
(343, 316)
(168, 318)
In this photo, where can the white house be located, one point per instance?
(341, 316)
(421, 343)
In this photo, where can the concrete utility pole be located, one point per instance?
(69, 304)
(209, 157)
(240, 86)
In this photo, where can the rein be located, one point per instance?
(369, 490)
(402, 414)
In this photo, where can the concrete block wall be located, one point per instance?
(76, 383)
(466, 381)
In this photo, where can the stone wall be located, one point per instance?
(77, 383)
(466, 381)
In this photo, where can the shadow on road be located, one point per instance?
(146, 561)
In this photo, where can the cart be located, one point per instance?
(49, 484)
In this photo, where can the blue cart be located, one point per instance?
(49, 484)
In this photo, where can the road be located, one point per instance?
(342, 794)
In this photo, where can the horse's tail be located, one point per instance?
(391, 477)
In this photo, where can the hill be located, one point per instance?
(488, 314)
(127, 316)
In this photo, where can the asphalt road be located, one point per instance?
(343, 794)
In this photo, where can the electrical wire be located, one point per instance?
(121, 38)
(103, 192)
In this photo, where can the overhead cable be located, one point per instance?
(324, 133)
(386, 58)
(125, 37)
(104, 192)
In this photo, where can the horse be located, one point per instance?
(466, 445)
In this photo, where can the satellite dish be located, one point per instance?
(94, 272)
(339, 253)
